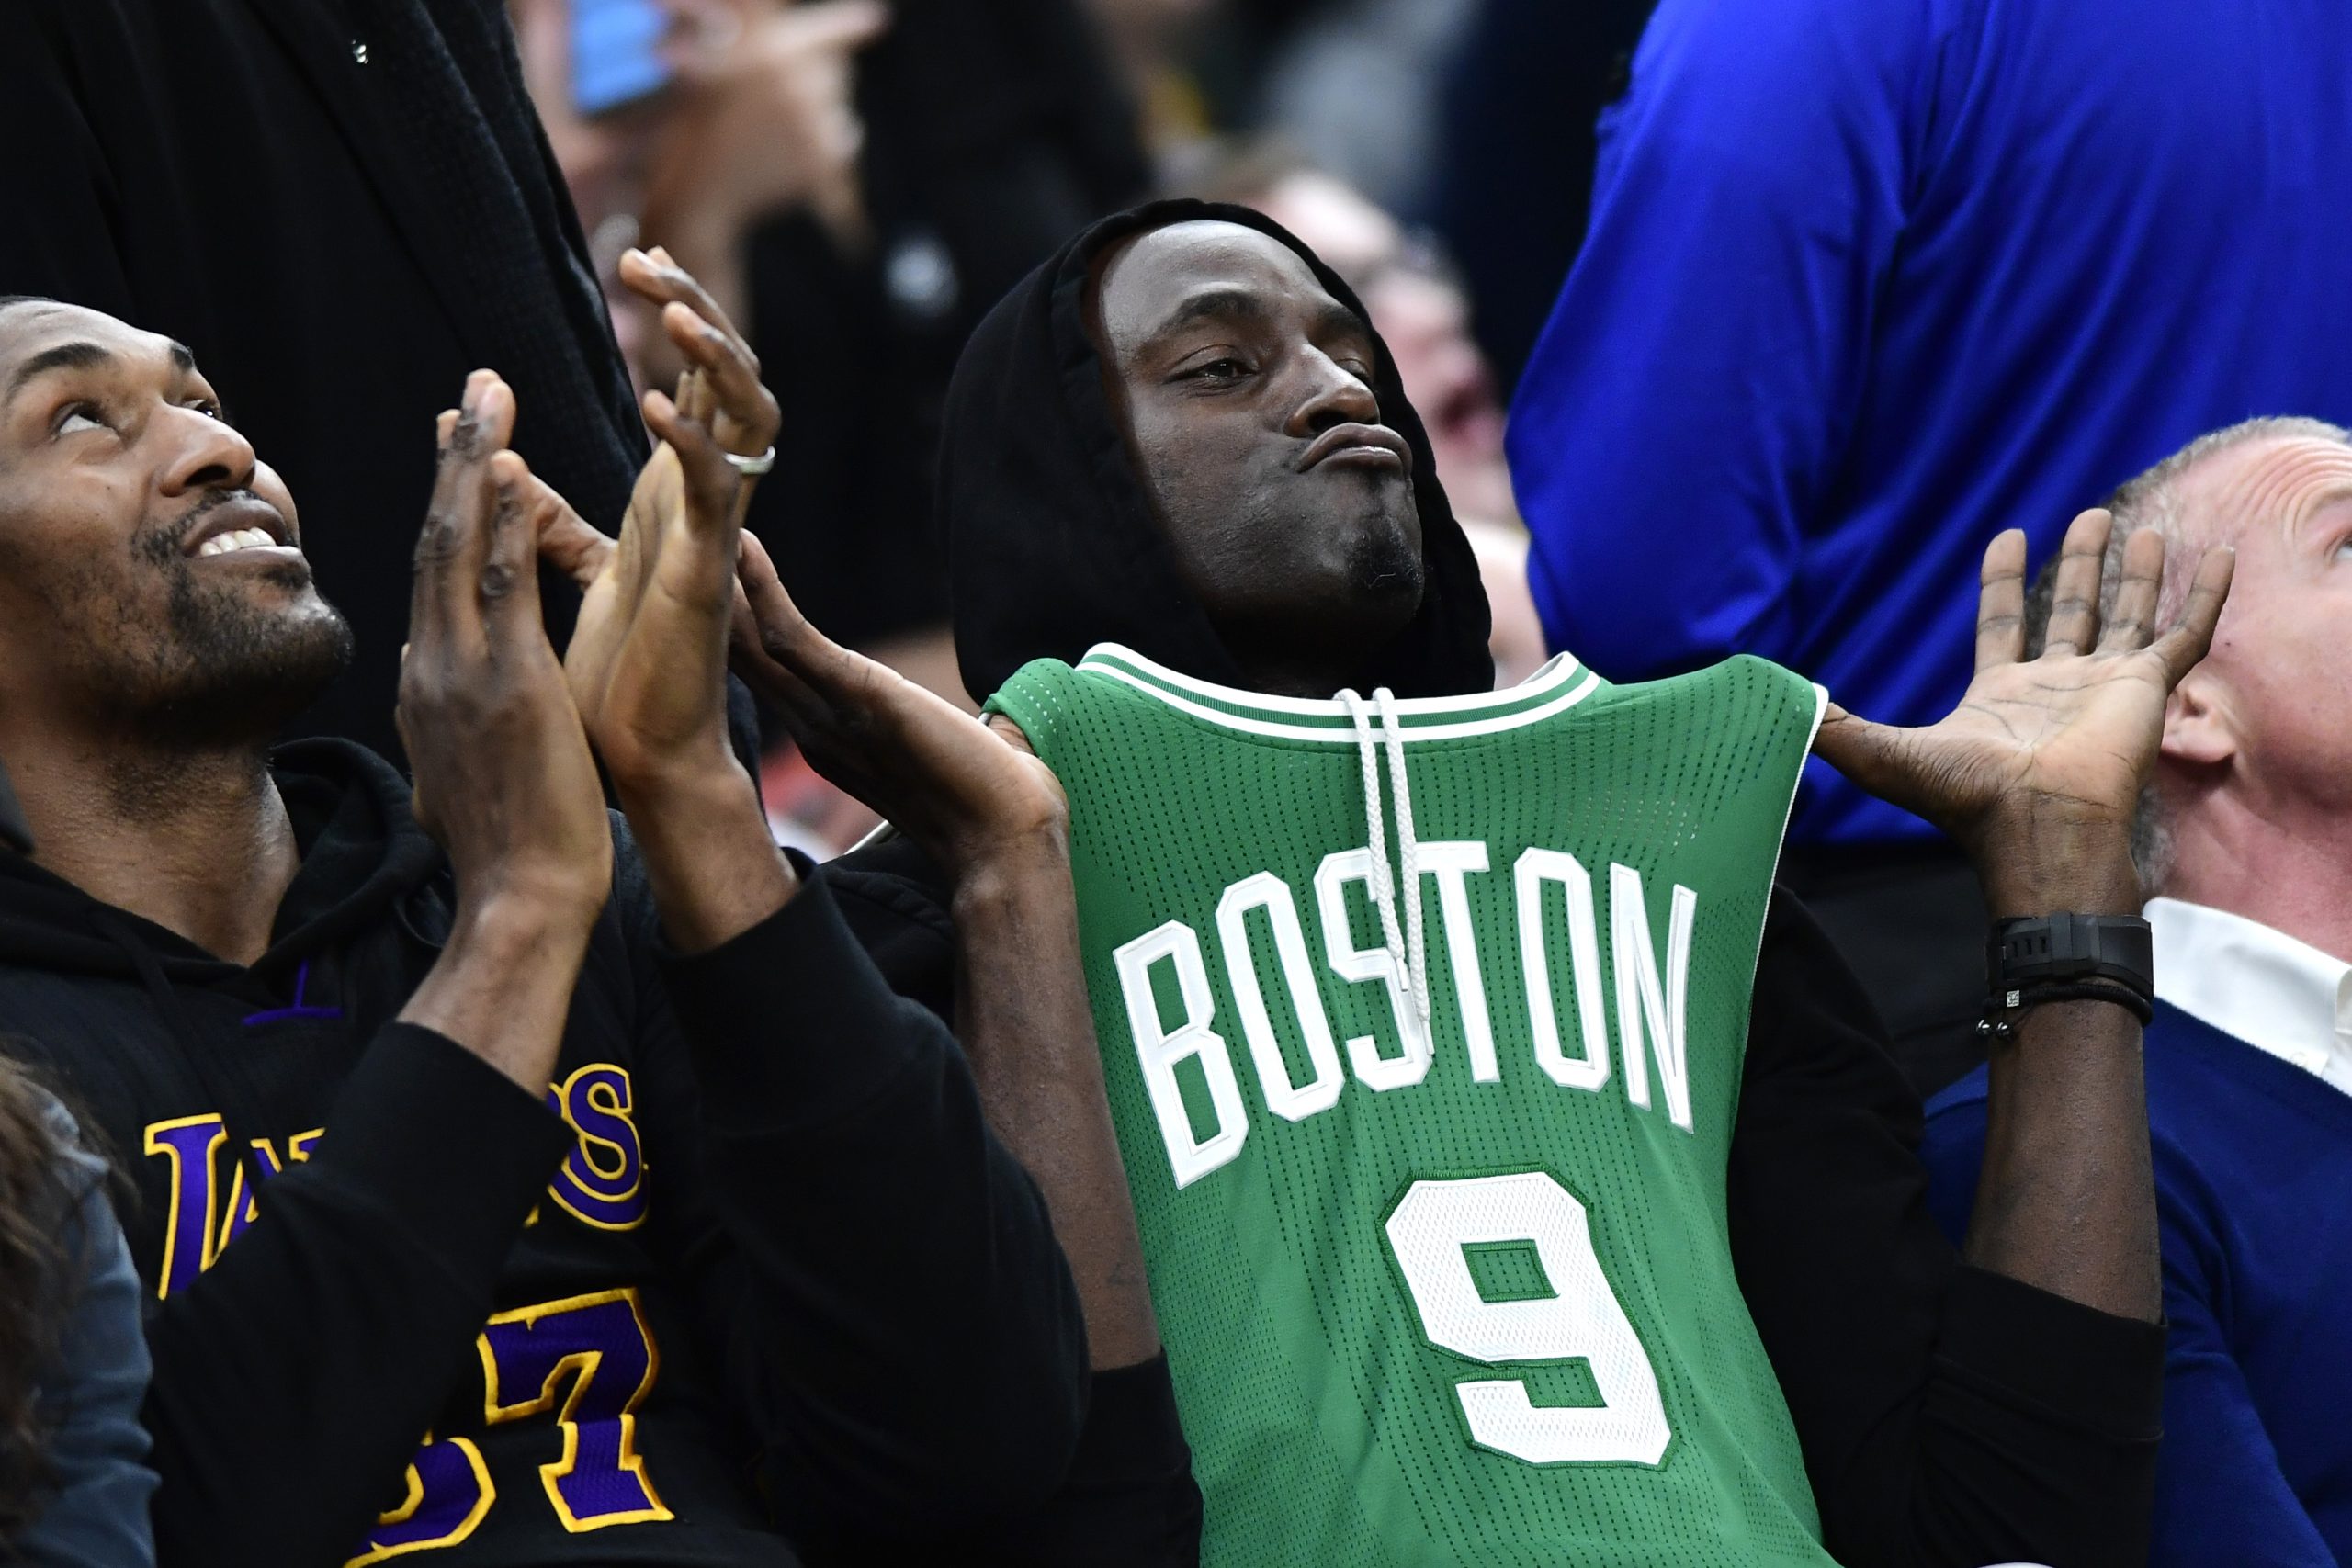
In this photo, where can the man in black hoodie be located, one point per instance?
(1125, 462)
(616, 1178)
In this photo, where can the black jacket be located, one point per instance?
(1949, 1415)
(343, 207)
(753, 1258)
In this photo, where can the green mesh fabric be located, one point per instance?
(1328, 1425)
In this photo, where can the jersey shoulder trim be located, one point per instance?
(1556, 687)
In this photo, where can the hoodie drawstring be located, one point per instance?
(1408, 947)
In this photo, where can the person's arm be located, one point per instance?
(1948, 1416)
(93, 1512)
(1129, 1496)
(2036, 774)
(294, 1378)
(1692, 398)
(937, 1374)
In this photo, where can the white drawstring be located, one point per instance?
(1412, 972)
(1408, 849)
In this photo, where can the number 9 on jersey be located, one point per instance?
(1433, 1230)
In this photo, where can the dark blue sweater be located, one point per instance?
(1868, 281)
(2254, 1191)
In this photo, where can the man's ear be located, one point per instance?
(2198, 728)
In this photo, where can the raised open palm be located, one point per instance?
(2043, 751)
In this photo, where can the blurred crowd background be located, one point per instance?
(860, 179)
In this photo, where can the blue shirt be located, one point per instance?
(2253, 1196)
(1868, 281)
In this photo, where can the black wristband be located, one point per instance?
(2062, 949)
(2002, 1007)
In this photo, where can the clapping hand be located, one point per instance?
(682, 588)
(2038, 772)
(504, 778)
(504, 781)
(647, 660)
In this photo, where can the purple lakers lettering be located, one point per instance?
(601, 1181)
(587, 1360)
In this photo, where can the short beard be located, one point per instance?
(221, 673)
(1384, 570)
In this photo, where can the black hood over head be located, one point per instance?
(1053, 543)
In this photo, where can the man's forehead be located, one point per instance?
(2282, 480)
(40, 326)
(1155, 274)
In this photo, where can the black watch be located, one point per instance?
(2059, 950)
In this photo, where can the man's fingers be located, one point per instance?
(2182, 647)
(785, 637)
(2074, 608)
(711, 481)
(567, 542)
(507, 586)
(2000, 601)
(730, 372)
(454, 542)
(1870, 755)
(652, 276)
(424, 584)
(2142, 584)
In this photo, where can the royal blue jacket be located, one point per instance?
(1868, 281)
(2254, 1195)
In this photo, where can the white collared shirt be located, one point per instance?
(2259, 985)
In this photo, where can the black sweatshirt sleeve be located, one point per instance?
(1948, 1414)
(302, 1370)
(910, 1309)
(1129, 1498)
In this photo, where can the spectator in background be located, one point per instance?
(2243, 836)
(1865, 284)
(1409, 288)
(343, 210)
(73, 1476)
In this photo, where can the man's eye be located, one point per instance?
(207, 407)
(1225, 369)
(78, 418)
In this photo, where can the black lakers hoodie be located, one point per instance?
(751, 1269)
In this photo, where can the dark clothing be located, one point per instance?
(1948, 1416)
(2252, 1156)
(704, 1274)
(993, 130)
(343, 207)
(1910, 919)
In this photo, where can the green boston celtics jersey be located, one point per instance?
(1422, 1022)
